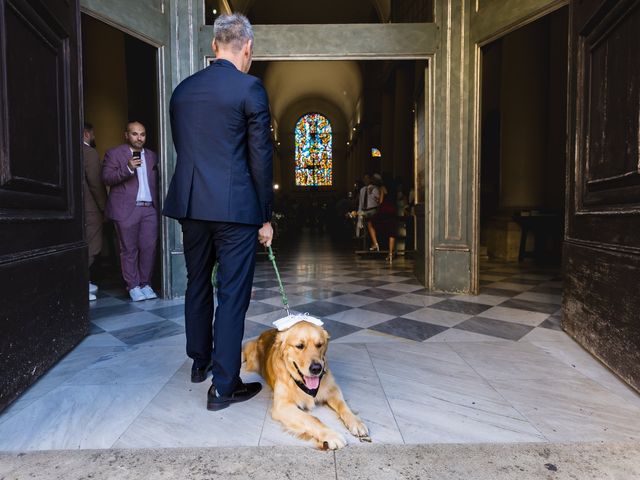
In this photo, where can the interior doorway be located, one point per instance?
(523, 144)
(372, 113)
(120, 82)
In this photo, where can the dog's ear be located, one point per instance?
(279, 342)
(326, 335)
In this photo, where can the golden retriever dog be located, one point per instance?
(294, 365)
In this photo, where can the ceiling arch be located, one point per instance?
(337, 82)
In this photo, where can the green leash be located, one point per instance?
(272, 257)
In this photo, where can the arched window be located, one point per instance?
(314, 160)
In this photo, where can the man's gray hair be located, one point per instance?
(233, 30)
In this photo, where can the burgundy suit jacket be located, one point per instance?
(124, 184)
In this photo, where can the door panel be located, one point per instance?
(43, 259)
(602, 249)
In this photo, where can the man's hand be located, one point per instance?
(135, 163)
(265, 234)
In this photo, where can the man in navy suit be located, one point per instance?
(221, 192)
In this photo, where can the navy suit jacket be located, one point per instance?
(220, 123)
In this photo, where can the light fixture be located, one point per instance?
(348, 143)
(215, 11)
(354, 129)
(278, 143)
(276, 186)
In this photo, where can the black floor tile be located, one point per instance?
(521, 281)
(321, 308)
(265, 284)
(551, 290)
(379, 293)
(430, 293)
(453, 305)
(147, 332)
(338, 329)
(410, 329)
(319, 284)
(366, 282)
(258, 308)
(500, 292)
(173, 311)
(95, 329)
(263, 294)
(320, 294)
(495, 328)
(361, 274)
(530, 306)
(553, 323)
(253, 329)
(390, 307)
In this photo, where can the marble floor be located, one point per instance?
(418, 366)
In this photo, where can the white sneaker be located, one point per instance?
(136, 294)
(92, 288)
(92, 297)
(148, 292)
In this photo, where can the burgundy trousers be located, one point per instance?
(138, 236)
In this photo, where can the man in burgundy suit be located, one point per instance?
(131, 171)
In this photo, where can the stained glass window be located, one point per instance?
(314, 160)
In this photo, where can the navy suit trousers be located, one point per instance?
(233, 245)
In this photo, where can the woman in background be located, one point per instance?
(385, 221)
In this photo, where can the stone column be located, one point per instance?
(452, 209)
(185, 59)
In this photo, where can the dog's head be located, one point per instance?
(303, 348)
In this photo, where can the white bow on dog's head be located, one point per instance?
(290, 320)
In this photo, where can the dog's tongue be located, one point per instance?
(311, 382)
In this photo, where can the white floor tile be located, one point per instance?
(514, 315)
(71, 417)
(352, 300)
(437, 317)
(177, 417)
(513, 360)
(417, 300)
(572, 409)
(360, 318)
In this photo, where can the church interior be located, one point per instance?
(460, 334)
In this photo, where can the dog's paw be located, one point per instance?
(332, 441)
(357, 428)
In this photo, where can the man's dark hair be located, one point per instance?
(88, 126)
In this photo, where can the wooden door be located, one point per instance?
(43, 254)
(602, 248)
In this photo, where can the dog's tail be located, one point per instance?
(250, 356)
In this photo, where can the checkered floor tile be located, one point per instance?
(355, 296)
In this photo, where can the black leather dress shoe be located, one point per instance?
(244, 391)
(199, 375)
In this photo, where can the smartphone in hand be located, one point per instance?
(136, 160)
